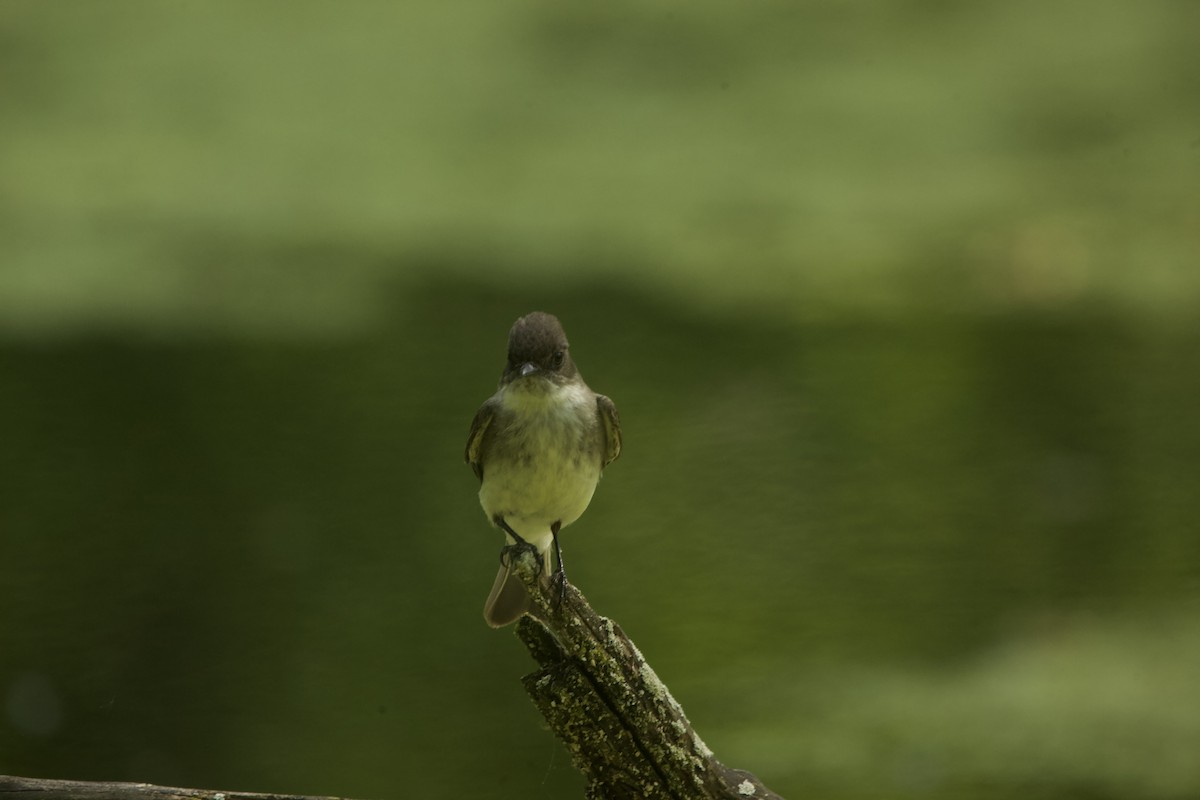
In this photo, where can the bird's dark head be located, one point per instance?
(537, 348)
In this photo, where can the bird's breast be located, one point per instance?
(543, 461)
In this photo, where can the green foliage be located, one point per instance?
(240, 166)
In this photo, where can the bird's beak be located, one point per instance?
(528, 368)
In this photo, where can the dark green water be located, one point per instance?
(261, 566)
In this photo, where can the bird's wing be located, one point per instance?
(612, 429)
(479, 426)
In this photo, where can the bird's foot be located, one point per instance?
(558, 579)
(518, 544)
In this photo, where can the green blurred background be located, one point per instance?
(897, 300)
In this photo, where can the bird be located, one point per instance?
(538, 447)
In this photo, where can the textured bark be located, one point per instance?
(624, 730)
(13, 788)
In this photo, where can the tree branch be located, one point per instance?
(14, 788)
(624, 730)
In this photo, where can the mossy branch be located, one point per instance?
(624, 730)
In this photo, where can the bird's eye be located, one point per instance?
(556, 360)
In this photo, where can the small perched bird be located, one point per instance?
(538, 446)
